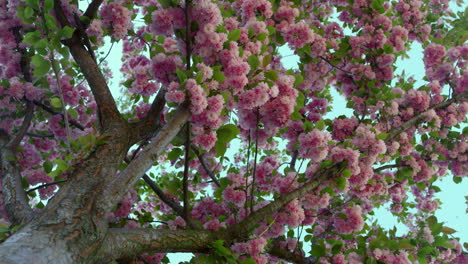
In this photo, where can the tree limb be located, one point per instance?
(148, 127)
(92, 8)
(14, 196)
(242, 229)
(125, 242)
(14, 143)
(420, 117)
(107, 108)
(144, 160)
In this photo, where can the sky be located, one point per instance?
(453, 210)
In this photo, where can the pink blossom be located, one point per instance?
(353, 221)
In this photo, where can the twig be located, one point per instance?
(45, 185)
(205, 167)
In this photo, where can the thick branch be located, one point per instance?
(148, 127)
(126, 242)
(107, 109)
(14, 196)
(143, 161)
(92, 8)
(421, 116)
(242, 229)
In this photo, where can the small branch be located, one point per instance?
(45, 185)
(205, 167)
(252, 190)
(29, 134)
(276, 250)
(389, 166)
(186, 171)
(51, 111)
(14, 143)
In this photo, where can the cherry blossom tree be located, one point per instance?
(216, 148)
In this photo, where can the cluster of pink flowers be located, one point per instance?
(353, 221)
(20, 89)
(163, 67)
(166, 20)
(344, 128)
(314, 145)
(387, 256)
(118, 17)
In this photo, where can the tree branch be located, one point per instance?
(14, 196)
(143, 161)
(242, 229)
(92, 9)
(14, 143)
(107, 108)
(124, 242)
(147, 128)
(51, 111)
(205, 167)
(45, 185)
(420, 117)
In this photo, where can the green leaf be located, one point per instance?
(227, 132)
(346, 173)
(28, 12)
(220, 148)
(448, 231)
(253, 62)
(174, 154)
(320, 124)
(249, 261)
(32, 38)
(382, 136)
(41, 65)
(47, 166)
(272, 75)
(341, 183)
(318, 251)
(219, 76)
(266, 60)
(299, 79)
(234, 35)
(56, 102)
(457, 179)
(73, 113)
(181, 75)
(48, 4)
(378, 6)
(66, 32)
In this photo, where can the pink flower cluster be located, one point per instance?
(353, 221)
(344, 128)
(314, 145)
(198, 100)
(387, 256)
(118, 17)
(163, 67)
(166, 20)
